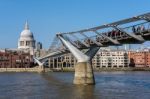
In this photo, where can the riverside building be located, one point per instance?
(63, 61)
(139, 58)
(110, 58)
(15, 59)
(103, 58)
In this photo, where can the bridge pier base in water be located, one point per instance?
(41, 69)
(83, 73)
(40, 64)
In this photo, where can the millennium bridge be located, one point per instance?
(134, 30)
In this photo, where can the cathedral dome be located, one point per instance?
(26, 40)
(26, 34)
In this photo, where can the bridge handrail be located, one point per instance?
(118, 28)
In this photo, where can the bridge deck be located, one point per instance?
(134, 30)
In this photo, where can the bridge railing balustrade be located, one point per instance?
(138, 29)
(98, 38)
(117, 34)
(79, 43)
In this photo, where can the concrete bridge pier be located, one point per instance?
(83, 69)
(41, 69)
(83, 73)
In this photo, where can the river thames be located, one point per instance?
(58, 85)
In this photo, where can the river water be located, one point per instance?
(58, 85)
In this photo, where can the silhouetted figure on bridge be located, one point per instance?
(138, 29)
(133, 29)
(142, 28)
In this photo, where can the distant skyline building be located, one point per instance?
(26, 40)
(39, 46)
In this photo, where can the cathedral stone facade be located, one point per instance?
(26, 41)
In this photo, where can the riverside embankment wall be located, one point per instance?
(23, 70)
(69, 70)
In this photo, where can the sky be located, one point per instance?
(48, 17)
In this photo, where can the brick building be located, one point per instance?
(139, 58)
(15, 59)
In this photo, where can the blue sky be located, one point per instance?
(47, 17)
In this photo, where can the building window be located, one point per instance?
(27, 43)
(21, 43)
